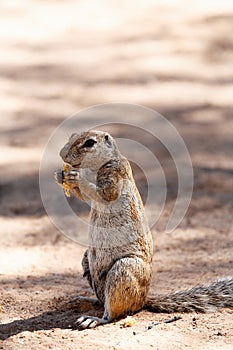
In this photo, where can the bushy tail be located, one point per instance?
(202, 298)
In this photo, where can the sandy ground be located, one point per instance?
(58, 57)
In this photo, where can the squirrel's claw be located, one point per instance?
(58, 176)
(70, 177)
(85, 322)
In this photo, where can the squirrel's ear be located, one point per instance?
(107, 139)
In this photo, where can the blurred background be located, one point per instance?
(58, 57)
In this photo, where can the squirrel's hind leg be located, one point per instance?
(126, 288)
(86, 268)
(127, 285)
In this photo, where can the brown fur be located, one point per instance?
(118, 262)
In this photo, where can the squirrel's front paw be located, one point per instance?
(71, 177)
(67, 178)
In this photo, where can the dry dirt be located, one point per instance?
(58, 57)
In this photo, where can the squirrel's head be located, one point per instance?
(90, 149)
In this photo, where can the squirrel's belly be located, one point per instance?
(110, 229)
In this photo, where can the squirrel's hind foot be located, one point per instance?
(85, 322)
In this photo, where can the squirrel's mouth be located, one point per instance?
(74, 165)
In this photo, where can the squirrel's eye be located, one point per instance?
(89, 143)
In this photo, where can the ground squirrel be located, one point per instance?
(118, 261)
